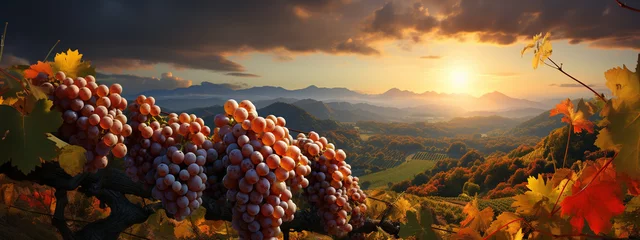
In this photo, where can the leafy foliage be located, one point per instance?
(541, 197)
(622, 119)
(596, 198)
(22, 132)
(476, 219)
(420, 228)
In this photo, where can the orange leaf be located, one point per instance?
(596, 199)
(565, 107)
(573, 117)
(35, 69)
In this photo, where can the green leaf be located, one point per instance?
(25, 142)
(10, 86)
(420, 228)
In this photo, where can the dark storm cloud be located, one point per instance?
(393, 19)
(237, 74)
(601, 23)
(122, 34)
(189, 34)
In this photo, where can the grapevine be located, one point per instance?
(248, 168)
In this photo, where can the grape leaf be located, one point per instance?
(71, 158)
(561, 174)
(37, 68)
(541, 197)
(467, 234)
(624, 85)
(596, 199)
(519, 235)
(576, 118)
(542, 48)
(548, 226)
(26, 144)
(420, 228)
(476, 219)
(12, 85)
(72, 65)
(588, 109)
(621, 135)
(508, 232)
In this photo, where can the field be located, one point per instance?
(397, 174)
(365, 136)
(428, 156)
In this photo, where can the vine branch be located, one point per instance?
(625, 6)
(559, 68)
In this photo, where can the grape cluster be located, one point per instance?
(92, 116)
(149, 139)
(180, 180)
(168, 153)
(262, 169)
(332, 190)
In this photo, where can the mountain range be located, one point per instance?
(345, 105)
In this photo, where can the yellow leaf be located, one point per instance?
(506, 233)
(542, 49)
(71, 64)
(519, 235)
(476, 219)
(466, 234)
(542, 196)
(624, 85)
(72, 159)
(9, 101)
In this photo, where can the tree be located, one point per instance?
(470, 188)
(469, 158)
(457, 149)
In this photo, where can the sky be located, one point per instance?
(370, 46)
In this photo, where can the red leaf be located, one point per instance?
(595, 201)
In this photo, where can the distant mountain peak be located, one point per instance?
(312, 87)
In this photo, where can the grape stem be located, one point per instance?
(566, 150)
(51, 50)
(625, 6)
(559, 68)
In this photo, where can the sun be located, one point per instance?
(459, 79)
